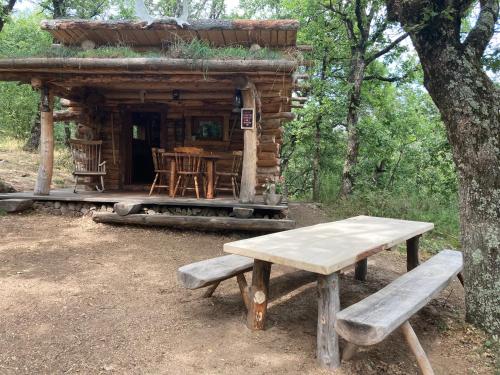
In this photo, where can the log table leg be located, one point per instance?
(412, 253)
(258, 294)
(171, 184)
(328, 305)
(360, 269)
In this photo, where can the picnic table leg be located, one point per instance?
(328, 354)
(258, 294)
(412, 253)
(360, 269)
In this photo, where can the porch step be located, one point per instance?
(15, 205)
(197, 222)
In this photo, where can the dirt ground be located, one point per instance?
(80, 297)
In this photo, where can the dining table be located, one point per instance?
(209, 159)
(324, 249)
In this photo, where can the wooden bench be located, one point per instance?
(371, 320)
(211, 272)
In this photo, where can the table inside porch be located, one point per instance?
(324, 249)
(210, 160)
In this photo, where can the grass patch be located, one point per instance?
(195, 49)
(444, 215)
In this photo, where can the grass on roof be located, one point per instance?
(195, 49)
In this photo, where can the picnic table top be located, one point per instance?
(329, 247)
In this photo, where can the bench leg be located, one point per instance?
(460, 276)
(328, 354)
(416, 348)
(242, 283)
(349, 351)
(210, 290)
(412, 253)
(258, 295)
(360, 269)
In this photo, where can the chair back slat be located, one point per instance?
(86, 156)
(159, 161)
(188, 150)
(188, 163)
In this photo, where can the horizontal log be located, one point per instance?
(15, 205)
(268, 170)
(266, 156)
(271, 123)
(273, 132)
(66, 115)
(269, 147)
(279, 115)
(268, 163)
(151, 65)
(127, 208)
(267, 139)
(197, 222)
(165, 24)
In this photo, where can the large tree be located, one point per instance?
(469, 103)
(367, 29)
(6, 8)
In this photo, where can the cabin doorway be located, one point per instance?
(146, 134)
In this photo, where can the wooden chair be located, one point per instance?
(161, 168)
(188, 163)
(233, 175)
(87, 160)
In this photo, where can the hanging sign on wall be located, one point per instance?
(248, 118)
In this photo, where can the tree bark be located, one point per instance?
(33, 141)
(316, 160)
(316, 183)
(469, 104)
(5, 11)
(355, 81)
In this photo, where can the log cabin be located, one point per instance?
(165, 97)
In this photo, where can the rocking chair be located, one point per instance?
(87, 161)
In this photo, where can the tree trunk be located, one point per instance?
(33, 141)
(470, 107)
(355, 81)
(316, 159)
(316, 183)
(67, 134)
(5, 11)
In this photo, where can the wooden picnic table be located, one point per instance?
(210, 160)
(324, 249)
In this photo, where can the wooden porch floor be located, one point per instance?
(111, 197)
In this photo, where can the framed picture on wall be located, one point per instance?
(207, 129)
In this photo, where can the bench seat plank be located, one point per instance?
(207, 272)
(371, 320)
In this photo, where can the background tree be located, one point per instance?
(367, 29)
(6, 8)
(469, 104)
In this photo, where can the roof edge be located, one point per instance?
(166, 24)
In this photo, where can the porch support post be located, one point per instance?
(44, 179)
(249, 166)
